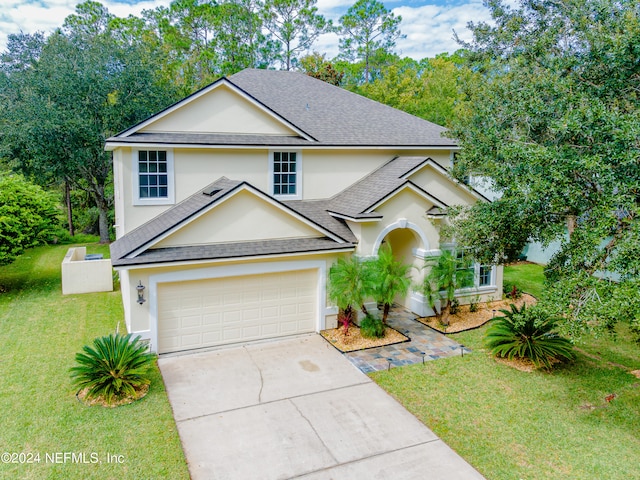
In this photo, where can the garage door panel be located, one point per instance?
(211, 319)
(230, 335)
(203, 313)
(212, 337)
(191, 321)
(230, 317)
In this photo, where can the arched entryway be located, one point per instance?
(408, 244)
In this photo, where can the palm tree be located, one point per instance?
(350, 282)
(527, 333)
(391, 279)
(448, 273)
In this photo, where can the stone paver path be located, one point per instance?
(426, 344)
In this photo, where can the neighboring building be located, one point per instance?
(232, 204)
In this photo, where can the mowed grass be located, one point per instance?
(510, 424)
(40, 332)
(527, 277)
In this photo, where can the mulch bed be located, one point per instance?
(354, 341)
(466, 320)
(140, 393)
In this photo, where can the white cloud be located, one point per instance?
(428, 28)
(46, 15)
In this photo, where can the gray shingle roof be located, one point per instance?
(329, 114)
(316, 210)
(357, 199)
(335, 116)
(232, 250)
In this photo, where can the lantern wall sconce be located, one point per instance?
(140, 288)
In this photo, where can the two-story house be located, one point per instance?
(232, 204)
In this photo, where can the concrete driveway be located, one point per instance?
(296, 408)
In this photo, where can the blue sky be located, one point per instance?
(427, 24)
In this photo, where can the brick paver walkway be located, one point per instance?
(426, 344)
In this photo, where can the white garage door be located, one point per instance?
(206, 313)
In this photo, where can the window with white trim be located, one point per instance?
(153, 181)
(484, 275)
(285, 174)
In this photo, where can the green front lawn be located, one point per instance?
(527, 277)
(510, 424)
(40, 333)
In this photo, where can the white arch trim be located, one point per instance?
(403, 223)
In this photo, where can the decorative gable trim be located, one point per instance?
(200, 93)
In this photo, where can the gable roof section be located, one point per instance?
(132, 134)
(357, 201)
(444, 173)
(321, 114)
(136, 246)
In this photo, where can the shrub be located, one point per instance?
(350, 282)
(455, 306)
(114, 368)
(28, 217)
(528, 334)
(511, 291)
(371, 327)
(473, 306)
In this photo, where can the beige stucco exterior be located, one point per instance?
(325, 173)
(241, 218)
(442, 188)
(249, 214)
(220, 110)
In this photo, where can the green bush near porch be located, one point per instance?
(40, 333)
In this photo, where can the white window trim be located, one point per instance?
(476, 274)
(170, 199)
(298, 194)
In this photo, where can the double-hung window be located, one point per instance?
(484, 275)
(154, 177)
(285, 174)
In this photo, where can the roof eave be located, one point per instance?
(127, 264)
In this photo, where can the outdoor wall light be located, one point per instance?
(140, 288)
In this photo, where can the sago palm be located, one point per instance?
(528, 334)
(114, 367)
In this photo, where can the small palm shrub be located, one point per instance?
(473, 305)
(115, 367)
(371, 327)
(528, 334)
(455, 306)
